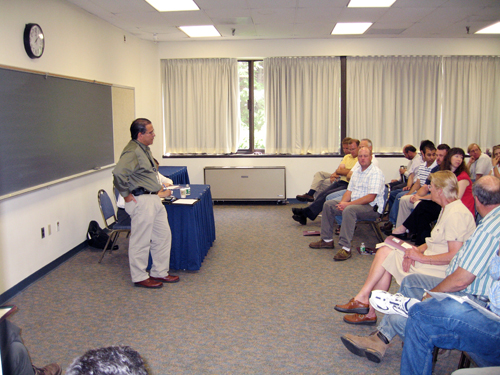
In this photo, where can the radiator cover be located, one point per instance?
(246, 183)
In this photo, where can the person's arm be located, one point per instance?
(495, 172)
(342, 170)
(410, 182)
(347, 196)
(414, 188)
(123, 169)
(363, 200)
(438, 259)
(457, 281)
(462, 185)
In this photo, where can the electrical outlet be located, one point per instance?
(43, 232)
(49, 230)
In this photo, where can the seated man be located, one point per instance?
(429, 162)
(15, 357)
(322, 180)
(363, 200)
(467, 274)
(113, 360)
(448, 324)
(479, 163)
(302, 214)
(407, 174)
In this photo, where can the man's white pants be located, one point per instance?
(150, 232)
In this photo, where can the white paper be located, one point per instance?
(185, 201)
(461, 299)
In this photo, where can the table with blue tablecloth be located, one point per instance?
(193, 229)
(179, 175)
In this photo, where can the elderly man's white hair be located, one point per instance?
(113, 360)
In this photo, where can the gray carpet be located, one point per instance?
(262, 303)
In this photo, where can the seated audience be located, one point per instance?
(15, 357)
(428, 152)
(424, 214)
(448, 324)
(495, 161)
(454, 226)
(311, 212)
(323, 180)
(466, 275)
(113, 360)
(479, 163)
(363, 200)
(407, 174)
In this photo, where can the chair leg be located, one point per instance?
(377, 231)
(113, 235)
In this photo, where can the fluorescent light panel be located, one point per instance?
(492, 29)
(173, 5)
(370, 3)
(346, 28)
(200, 31)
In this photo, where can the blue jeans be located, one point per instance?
(412, 286)
(393, 196)
(337, 196)
(393, 214)
(448, 324)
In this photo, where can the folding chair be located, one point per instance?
(113, 229)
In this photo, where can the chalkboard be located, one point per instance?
(51, 128)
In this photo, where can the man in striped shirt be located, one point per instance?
(467, 273)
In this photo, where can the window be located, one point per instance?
(253, 125)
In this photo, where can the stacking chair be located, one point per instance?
(112, 228)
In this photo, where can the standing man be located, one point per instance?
(479, 164)
(363, 200)
(136, 179)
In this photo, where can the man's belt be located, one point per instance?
(141, 191)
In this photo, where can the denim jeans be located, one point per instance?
(412, 286)
(393, 214)
(448, 324)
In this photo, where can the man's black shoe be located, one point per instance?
(301, 219)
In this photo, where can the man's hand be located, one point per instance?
(415, 198)
(333, 177)
(165, 193)
(130, 198)
(406, 188)
(342, 205)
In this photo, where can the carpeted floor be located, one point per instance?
(262, 303)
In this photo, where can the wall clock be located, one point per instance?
(34, 40)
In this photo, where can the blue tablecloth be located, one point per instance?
(193, 229)
(179, 175)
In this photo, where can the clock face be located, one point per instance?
(34, 41)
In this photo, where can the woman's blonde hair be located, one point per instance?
(447, 181)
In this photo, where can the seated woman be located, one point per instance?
(426, 212)
(454, 226)
(495, 161)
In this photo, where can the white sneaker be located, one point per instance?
(388, 303)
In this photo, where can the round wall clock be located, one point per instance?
(34, 40)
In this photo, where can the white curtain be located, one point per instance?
(471, 101)
(200, 106)
(393, 101)
(302, 96)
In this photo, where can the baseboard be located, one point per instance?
(12, 292)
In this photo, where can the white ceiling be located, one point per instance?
(300, 19)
